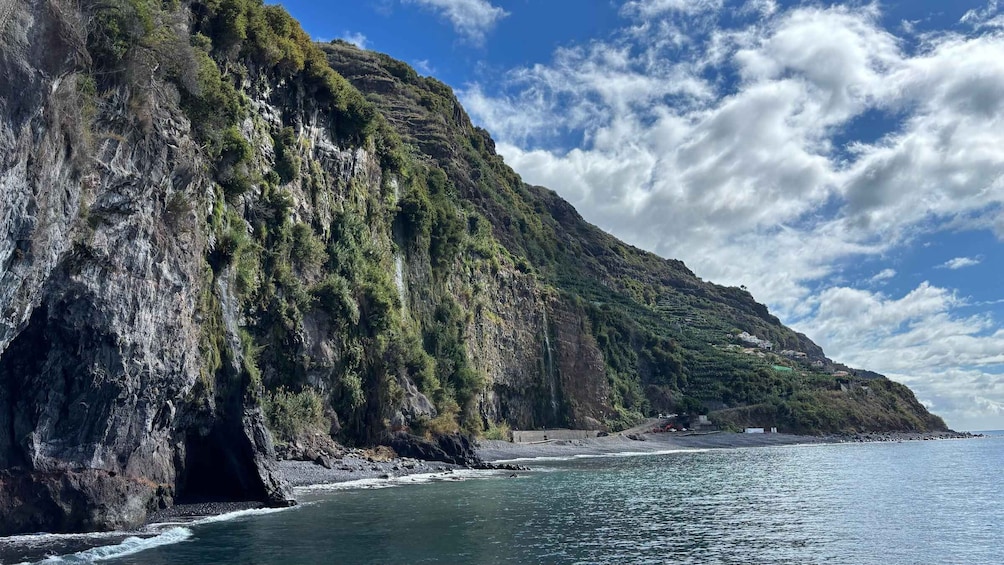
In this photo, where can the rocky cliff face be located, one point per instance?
(102, 251)
(210, 241)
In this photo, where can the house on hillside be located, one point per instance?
(751, 339)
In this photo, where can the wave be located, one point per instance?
(127, 543)
(128, 546)
(578, 456)
(226, 517)
(417, 478)
(43, 539)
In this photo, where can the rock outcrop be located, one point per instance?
(102, 251)
(447, 448)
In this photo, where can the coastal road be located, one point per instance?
(644, 427)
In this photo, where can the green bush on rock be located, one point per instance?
(289, 414)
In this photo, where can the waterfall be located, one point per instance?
(399, 279)
(549, 360)
(398, 258)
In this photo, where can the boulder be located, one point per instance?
(447, 448)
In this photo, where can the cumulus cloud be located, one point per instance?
(883, 275)
(472, 19)
(978, 16)
(653, 8)
(773, 152)
(355, 38)
(951, 361)
(961, 263)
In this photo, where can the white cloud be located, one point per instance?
(883, 275)
(424, 66)
(951, 361)
(967, 399)
(652, 8)
(750, 152)
(355, 38)
(977, 17)
(472, 19)
(761, 7)
(961, 263)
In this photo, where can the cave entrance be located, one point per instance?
(219, 467)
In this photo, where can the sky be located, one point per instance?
(842, 160)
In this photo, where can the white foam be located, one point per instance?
(165, 533)
(42, 539)
(240, 514)
(128, 546)
(418, 478)
(601, 455)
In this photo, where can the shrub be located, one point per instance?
(287, 161)
(334, 296)
(215, 106)
(349, 395)
(290, 414)
(445, 423)
(231, 240)
(308, 252)
(233, 146)
(247, 273)
(116, 27)
(415, 216)
(498, 431)
(250, 352)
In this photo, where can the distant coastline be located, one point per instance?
(500, 451)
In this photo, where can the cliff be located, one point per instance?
(215, 234)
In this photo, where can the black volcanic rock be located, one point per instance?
(457, 449)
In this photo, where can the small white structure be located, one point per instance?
(773, 430)
(754, 430)
(754, 340)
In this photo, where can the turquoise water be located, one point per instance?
(912, 502)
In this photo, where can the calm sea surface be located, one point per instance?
(890, 503)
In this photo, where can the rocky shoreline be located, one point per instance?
(868, 437)
(331, 465)
(318, 461)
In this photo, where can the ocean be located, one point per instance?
(889, 503)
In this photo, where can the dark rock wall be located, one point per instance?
(101, 273)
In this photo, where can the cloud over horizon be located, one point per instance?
(778, 150)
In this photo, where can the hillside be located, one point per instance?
(669, 341)
(218, 235)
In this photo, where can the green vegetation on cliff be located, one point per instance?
(390, 271)
(669, 341)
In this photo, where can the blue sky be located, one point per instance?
(843, 160)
